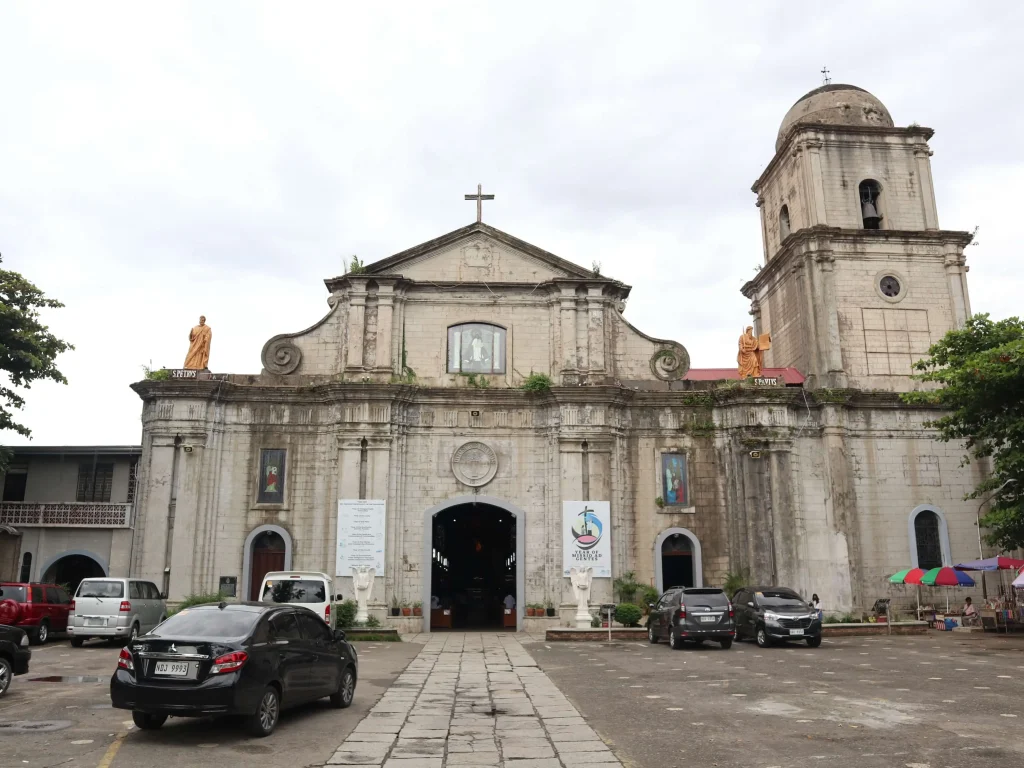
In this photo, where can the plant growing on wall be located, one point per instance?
(355, 266)
(537, 382)
(156, 374)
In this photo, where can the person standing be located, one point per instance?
(816, 605)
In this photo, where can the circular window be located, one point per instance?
(890, 286)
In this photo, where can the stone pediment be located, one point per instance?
(478, 253)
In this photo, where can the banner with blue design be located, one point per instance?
(587, 536)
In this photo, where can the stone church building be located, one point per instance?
(425, 387)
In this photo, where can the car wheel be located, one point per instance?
(726, 644)
(76, 642)
(6, 673)
(346, 690)
(763, 641)
(651, 637)
(673, 640)
(263, 721)
(814, 642)
(147, 722)
(43, 633)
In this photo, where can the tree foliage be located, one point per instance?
(28, 350)
(981, 370)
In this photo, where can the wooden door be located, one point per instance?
(263, 562)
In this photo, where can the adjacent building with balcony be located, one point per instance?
(66, 513)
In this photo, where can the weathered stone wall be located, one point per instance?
(824, 507)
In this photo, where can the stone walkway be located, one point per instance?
(474, 701)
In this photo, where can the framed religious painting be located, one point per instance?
(674, 490)
(476, 348)
(272, 476)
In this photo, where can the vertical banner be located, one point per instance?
(361, 537)
(586, 536)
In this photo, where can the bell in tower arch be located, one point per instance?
(870, 215)
(869, 192)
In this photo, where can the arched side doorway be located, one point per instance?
(71, 567)
(677, 559)
(929, 537)
(267, 548)
(500, 528)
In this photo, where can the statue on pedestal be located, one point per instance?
(198, 357)
(750, 358)
(580, 579)
(362, 580)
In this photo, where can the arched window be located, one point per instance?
(476, 348)
(870, 205)
(929, 538)
(784, 228)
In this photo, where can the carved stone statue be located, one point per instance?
(580, 579)
(750, 358)
(362, 580)
(198, 357)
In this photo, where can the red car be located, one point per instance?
(39, 609)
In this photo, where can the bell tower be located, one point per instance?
(858, 280)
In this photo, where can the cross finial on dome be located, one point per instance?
(825, 79)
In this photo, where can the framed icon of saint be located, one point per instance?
(272, 476)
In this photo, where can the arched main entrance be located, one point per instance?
(267, 548)
(474, 545)
(677, 559)
(71, 568)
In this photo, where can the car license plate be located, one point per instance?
(95, 622)
(796, 631)
(171, 668)
(709, 618)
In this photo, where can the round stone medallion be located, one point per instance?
(474, 464)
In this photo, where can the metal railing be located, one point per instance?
(65, 514)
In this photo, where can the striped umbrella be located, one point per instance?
(947, 577)
(907, 576)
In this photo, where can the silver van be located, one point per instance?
(114, 608)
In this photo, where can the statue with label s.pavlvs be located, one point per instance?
(362, 580)
(750, 357)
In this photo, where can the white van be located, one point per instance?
(306, 588)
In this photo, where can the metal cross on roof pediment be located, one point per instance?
(479, 197)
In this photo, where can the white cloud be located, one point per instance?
(159, 163)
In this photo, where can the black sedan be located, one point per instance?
(14, 655)
(249, 659)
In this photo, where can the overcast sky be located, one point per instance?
(223, 158)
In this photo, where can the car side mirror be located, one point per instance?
(163, 595)
(339, 634)
(650, 606)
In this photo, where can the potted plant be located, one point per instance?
(550, 608)
(531, 609)
(406, 610)
(395, 607)
(417, 608)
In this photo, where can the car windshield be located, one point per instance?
(211, 623)
(780, 600)
(17, 594)
(101, 589)
(294, 591)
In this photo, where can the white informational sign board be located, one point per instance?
(361, 539)
(587, 536)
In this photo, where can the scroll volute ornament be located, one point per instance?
(670, 362)
(281, 356)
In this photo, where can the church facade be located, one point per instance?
(475, 387)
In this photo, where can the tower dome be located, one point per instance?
(835, 105)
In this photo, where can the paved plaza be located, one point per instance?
(473, 701)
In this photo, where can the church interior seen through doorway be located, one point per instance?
(473, 569)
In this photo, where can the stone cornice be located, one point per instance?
(822, 239)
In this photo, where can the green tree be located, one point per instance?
(28, 350)
(981, 370)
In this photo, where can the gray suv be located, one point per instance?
(693, 614)
(775, 614)
(114, 609)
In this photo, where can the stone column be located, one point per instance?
(954, 262)
(183, 543)
(152, 509)
(567, 311)
(385, 315)
(595, 331)
(924, 176)
(815, 186)
(831, 343)
(356, 324)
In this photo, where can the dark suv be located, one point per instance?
(770, 614)
(692, 614)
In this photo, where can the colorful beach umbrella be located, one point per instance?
(1019, 581)
(907, 576)
(947, 577)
